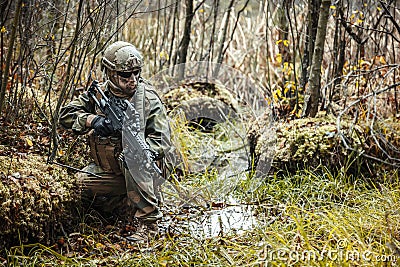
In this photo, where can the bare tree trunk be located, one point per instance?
(176, 17)
(184, 45)
(311, 99)
(339, 60)
(4, 78)
(3, 17)
(313, 15)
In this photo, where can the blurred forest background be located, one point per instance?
(329, 69)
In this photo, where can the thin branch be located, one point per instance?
(225, 28)
(234, 27)
(342, 136)
(392, 19)
(65, 86)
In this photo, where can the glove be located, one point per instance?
(102, 126)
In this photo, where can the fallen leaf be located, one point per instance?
(28, 141)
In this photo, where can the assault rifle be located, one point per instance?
(137, 149)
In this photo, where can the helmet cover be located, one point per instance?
(122, 56)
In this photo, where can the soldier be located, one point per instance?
(122, 64)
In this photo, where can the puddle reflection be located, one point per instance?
(218, 222)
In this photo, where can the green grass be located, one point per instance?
(306, 219)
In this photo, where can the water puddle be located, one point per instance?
(229, 220)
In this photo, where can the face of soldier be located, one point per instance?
(126, 81)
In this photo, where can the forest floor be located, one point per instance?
(312, 217)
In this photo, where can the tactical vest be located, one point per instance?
(106, 151)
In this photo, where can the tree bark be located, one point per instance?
(313, 15)
(184, 45)
(311, 99)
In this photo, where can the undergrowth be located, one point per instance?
(310, 218)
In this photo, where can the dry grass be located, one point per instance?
(308, 219)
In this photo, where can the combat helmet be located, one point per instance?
(121, 57)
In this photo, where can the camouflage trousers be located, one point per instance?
(114, 193)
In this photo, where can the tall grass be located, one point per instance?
(306, 219)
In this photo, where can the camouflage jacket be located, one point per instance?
(154, 124)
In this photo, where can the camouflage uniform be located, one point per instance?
(117, 183)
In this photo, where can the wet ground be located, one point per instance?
(218, 220)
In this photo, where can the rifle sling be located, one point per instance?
(139, 103)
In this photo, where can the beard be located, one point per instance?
(128, 89)
(123, 90)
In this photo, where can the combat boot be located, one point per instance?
(146, 231)
(147, 227)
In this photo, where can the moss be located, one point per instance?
(35, 198)
(312, 142)
(191, 90)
